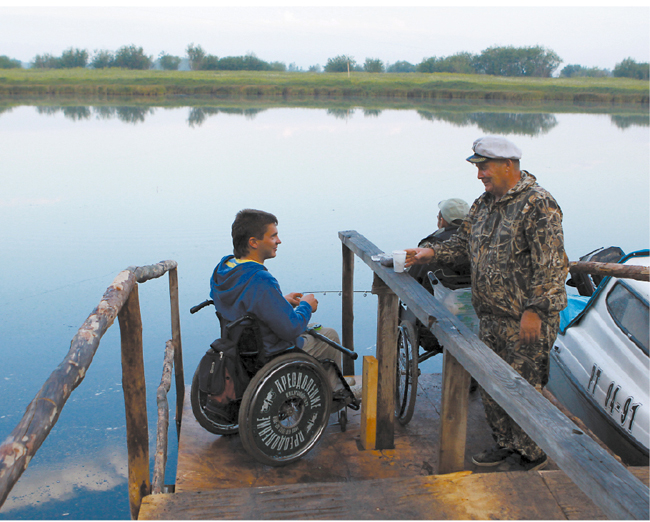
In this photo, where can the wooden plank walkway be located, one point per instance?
(338, 480)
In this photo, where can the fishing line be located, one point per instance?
(340, 292)
(68, 285)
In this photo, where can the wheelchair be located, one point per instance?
(286, 406)
(416, 343)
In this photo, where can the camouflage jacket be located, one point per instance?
(516, 250)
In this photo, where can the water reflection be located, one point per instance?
(125, 114)
(625, 121)
(497, 123)
(371, 113)
(517, 123)
(61, 481)
(341, 114)
(198, 115)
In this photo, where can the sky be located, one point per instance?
(305, 35)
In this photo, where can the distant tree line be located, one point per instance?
(628, 68)
(498, 61)
(201, 61)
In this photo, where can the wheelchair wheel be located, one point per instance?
(407, 372)
(285, 409)
(211, 422)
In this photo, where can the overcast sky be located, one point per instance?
(594, 36)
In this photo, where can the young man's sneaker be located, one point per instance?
(492, 457)
(534, 465)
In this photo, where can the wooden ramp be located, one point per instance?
(216, 479)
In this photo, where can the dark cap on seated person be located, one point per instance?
(492, 147)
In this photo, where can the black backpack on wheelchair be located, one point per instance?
(280, 407)
(225, 371)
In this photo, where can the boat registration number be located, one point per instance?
(621, 410)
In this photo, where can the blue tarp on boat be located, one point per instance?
(576, 304)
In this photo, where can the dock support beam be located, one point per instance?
(387, 317)
(453, 415)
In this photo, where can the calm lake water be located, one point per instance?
(89, 191)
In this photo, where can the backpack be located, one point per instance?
(223, 378)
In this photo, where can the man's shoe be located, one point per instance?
(534, 465)
(491, 457)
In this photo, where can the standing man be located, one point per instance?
(514, 242)
(241, 284)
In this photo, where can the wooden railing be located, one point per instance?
(119, 301)
(599, 475)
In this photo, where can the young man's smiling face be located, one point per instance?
(267, 246)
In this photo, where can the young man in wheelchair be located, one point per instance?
(241, 284)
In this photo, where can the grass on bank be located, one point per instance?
(151, 83)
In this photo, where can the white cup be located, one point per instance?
(399, 258)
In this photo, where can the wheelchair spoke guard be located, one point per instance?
(407, 372)
(285, 409)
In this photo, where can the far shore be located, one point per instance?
(161, 85)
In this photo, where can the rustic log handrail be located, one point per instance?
(43, 411)
(604, 480)
(637, 272)
(160, 459)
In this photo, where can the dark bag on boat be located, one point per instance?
(223, 378)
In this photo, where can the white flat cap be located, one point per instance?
(492, 147)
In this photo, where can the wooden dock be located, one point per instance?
(217, 479)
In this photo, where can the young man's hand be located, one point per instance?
(293, 298)
(312, 302)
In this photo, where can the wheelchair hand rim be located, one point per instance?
(288, 411)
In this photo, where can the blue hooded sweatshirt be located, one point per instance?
(240, 287)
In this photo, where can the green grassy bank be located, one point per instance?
(167, 84)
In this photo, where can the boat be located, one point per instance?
(599, 365)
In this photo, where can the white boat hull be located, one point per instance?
(600, 368)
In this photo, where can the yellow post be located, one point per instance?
(369, 402)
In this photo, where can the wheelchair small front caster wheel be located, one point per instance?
(343, 419)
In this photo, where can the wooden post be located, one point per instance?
(178, 348)
(387, 310)
(347, 306)
(453, 415)
(135, 401)
(160, 458)
(369, 402)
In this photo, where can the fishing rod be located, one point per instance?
(324, 292)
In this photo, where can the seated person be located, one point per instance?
(241, 284)
(451, 215)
